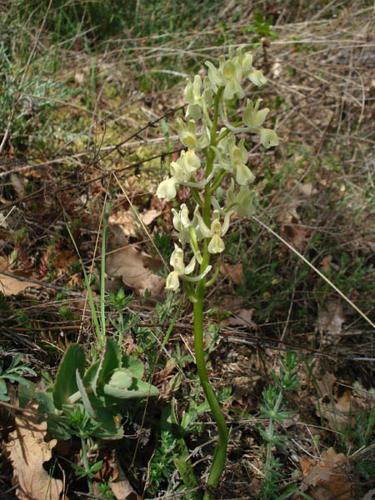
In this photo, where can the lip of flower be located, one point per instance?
(180, 271)
(177, 262)
(244, 175)
(172, 282)
(173, 279)
(187, 134)
(215, 232)
(167, 189)
(268, 138)
(254, 117)
(181, 222)
(180, 172)
(216, 244)
(188, 230)
(257, 78)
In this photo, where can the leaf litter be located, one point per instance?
(28, 452)
(12, 285)
(136, 270)
(130, 265)
(327, 477)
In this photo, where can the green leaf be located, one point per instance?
(91, 373)
(134, 365)
(96, 467)
(45, 403)
(108, 429)
(66, 383)
(110, 361)
(138, 389)
(186, 472)
(3, 390)
(26, 392)
(58, 429)
(144, 388)
(56, 421)
(15, 378)
(85, 397)
(121, 378)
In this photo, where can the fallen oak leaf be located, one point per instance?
(297, 235)
(10, 284)
(341, 411)
(327, 478)
(125, 221)
(233, 273)
(28, 451)
(149, 216)
(330, 321)
(120, 486)
(129, 264)
(130, 221)
(244, 317)
(325, 264)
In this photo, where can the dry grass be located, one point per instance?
(318, 186)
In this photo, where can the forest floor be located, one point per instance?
(87, 123)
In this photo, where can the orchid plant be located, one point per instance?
(214, 166)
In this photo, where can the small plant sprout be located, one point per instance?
(214, 167)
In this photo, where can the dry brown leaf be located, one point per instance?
(325, 264)
(330, 321)
(233, 273)
(306, 464)
(11, 285)
(341, 411)
(344, 403)
(129, 264)
(289, 218)
(243, 318)
(149, 216)
(64, 259)
(365, 398)
(18, 184)
(28, 451)
(120, 486)
(129, 223)
(125, 221)
(305, 189)
(328, 478)
(370, 495)
(297, 235)
(325, 383)
(162, 379)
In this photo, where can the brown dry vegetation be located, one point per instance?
(107, 134)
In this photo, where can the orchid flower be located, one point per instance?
(179, 269)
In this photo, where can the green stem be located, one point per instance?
(270, 432)
(196, 196)
(217, 181)
(103, 275)
(85, 462)
(220, 453)
(211, 157)
(218, 463)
